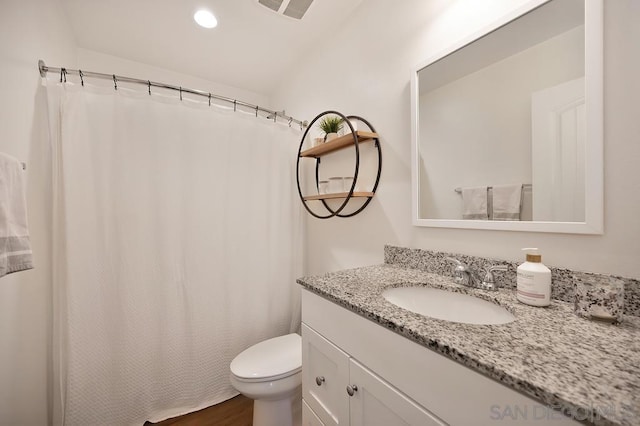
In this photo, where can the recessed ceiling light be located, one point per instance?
(204, 18)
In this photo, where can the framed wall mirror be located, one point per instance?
(507, 124)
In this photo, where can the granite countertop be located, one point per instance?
(580, 366)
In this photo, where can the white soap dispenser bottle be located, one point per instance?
(534, 280)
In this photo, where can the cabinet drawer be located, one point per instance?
(325, 374)
(309, 418)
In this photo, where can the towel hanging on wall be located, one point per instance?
(15, 247)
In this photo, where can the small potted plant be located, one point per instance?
(331, 125)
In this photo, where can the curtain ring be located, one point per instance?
(290, 120)
(63, 73)
(209, 99)
(234, 105)
(115, 82)
(180, 92)
(149, 86)
(275, 116)
(256, 111)
(81, 77)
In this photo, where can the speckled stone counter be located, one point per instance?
(562, 279)
(587, 368)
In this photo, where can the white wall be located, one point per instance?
(368, 74)
(29, 30)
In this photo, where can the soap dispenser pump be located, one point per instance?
(533, 280)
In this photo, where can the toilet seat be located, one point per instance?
(269, 360)
(267, 379)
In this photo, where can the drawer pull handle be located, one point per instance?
(319, 380)
(351, 389)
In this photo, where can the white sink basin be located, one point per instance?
(447, 305)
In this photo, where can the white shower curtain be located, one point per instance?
(176, 245)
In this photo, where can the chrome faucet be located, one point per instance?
(464, 275)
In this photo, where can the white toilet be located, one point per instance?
(270, 373)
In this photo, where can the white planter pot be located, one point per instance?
(331, 136)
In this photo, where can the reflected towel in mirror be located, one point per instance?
(507, 202)
(474, 203)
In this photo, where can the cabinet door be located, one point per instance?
(376, 403)
(325, 375)
(309, 418)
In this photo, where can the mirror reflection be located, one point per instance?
(501, 123)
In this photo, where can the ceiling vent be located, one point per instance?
(291, 8)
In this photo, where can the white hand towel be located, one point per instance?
(474, 203)
(15, 247)
(507, 202)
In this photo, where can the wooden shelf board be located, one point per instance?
(338, 143)
(338, 195)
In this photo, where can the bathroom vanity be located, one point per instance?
(368, 362)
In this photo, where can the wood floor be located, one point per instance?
(237, 411)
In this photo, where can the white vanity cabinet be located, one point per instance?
(338, 390)
(394, 380)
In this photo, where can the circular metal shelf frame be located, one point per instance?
(338, 212)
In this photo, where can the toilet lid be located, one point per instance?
(280, 356)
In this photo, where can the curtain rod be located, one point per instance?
(44, 69)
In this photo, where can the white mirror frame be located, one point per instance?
(594, 205)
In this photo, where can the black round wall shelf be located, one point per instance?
(355, 138)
